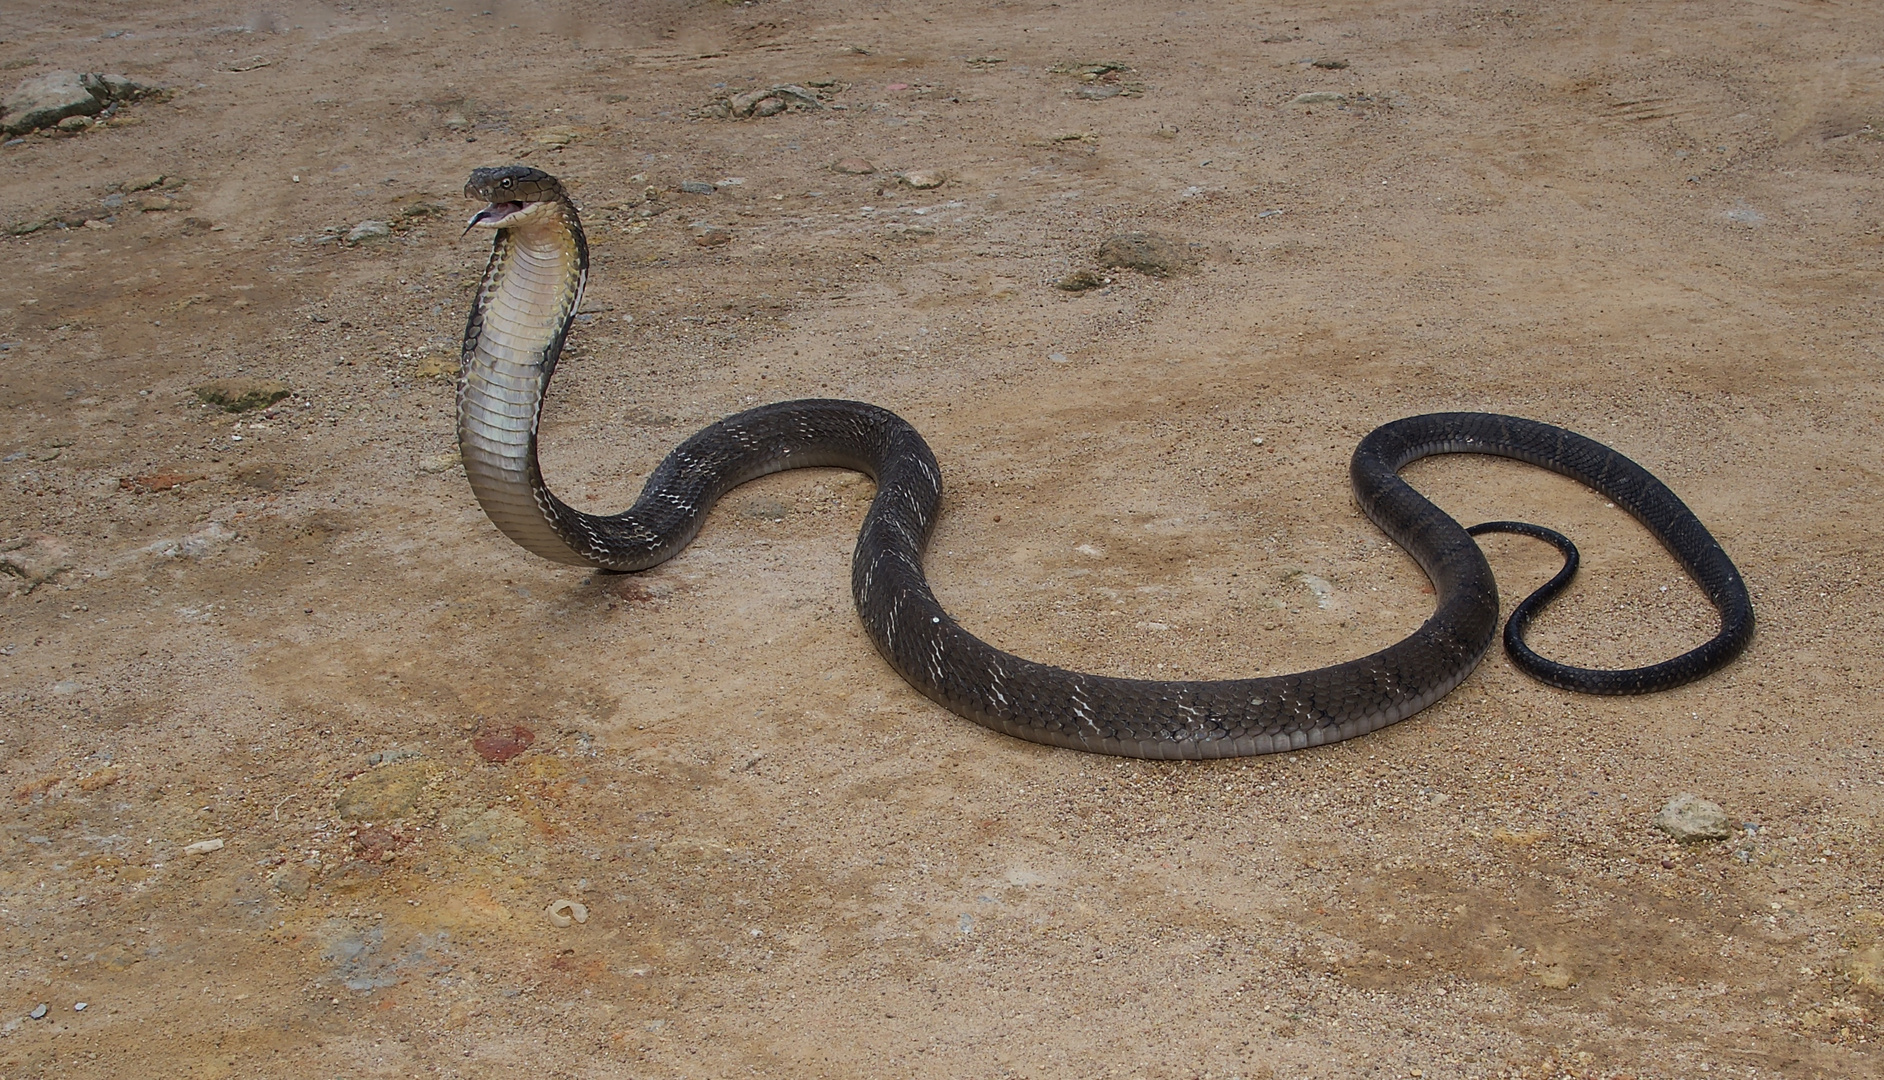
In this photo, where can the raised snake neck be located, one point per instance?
(524, 308)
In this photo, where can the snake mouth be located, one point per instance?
(494, 215)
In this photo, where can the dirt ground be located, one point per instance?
(293, 631)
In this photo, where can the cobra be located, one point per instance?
(523, 311)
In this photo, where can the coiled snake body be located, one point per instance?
(524, 307)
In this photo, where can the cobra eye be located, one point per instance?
(507, 181)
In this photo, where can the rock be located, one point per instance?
(437, 365)
(760, 102)
(46, 100)
(290, 881)
(558, 137)
(266, 477)
(241, 394)
(74, 124)
(1865, 968)
(357, 955)
(368, 230)
(151, 202)
(495, 831)
(1555, 976)
(385, 794)
(1081, 280)
(923, 179)
(698, 187)
(39, 1012)
(203, 847)
(709, 235)
(1147, 253)
(854, 166)
(1319, 97)
(500, 745)
(1318, 587)
(151, 483)
(797, 97)
(35, 558)
(207, 540)
(1329, 64)
(195, 544)
(117, 87)
(1691, 819)
(438, 463)
(743, 104)
(765, 509)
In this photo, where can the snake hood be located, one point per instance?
(518, 195)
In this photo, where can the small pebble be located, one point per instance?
(203, 847)
(81, 1006)
(698, 187)
(1081, 280)
(242, 393)
(923, 179)
(38, 1013)
(1147, 253)
(855, 166)
(368, 230)
(1691, 819)
(500, 745)
(707, 235)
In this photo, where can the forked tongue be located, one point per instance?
(492, 214)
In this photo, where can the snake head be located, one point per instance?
(517, 195)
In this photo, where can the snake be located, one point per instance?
(522, 313)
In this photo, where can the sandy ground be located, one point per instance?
(1657, 223)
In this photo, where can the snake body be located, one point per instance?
(523, 310)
